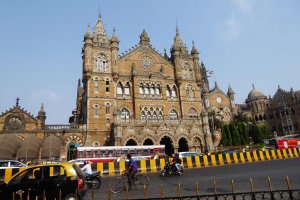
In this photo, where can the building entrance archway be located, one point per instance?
(169, 148)
(183, 145)
(148, 142)
(131, 142)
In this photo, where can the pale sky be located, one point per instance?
(241, 41)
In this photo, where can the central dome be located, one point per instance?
(254, 94)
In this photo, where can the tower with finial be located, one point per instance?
(230, 94)
(41, 118)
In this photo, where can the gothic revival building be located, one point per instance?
(143, 97)
(281, 113)
(138, 98)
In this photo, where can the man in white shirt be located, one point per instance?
(87, 168)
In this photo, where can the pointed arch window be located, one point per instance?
(143, 117)
(192, 113)
(96, 84)
(157, 90)
(141, 88)
(152, 89)
(119, 88)
(127, 89)
(125, 114)
(101, 63)
(147, 89)
(174, 91)
(107, 108)
(168, 91)
(96, 110)
(173, 114)
(160, 116)
(148, 115)
(107, 85)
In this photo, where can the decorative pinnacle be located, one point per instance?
(17, 102)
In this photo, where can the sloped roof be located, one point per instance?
(51, 147)
(30, 148)
(9, 145)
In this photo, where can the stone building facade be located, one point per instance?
(143, 97)
(138, 98)
(281, 113)
(25, 137)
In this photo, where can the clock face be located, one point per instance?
(146, 61)
(219, 99)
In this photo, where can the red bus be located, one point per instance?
(284, 143)
(111, 153)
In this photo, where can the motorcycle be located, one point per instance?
(168, 169)
(93, 181)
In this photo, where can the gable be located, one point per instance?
(145, 59)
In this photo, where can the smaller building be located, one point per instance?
(280, 113)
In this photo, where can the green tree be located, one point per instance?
(228, 134)
(236, 140)
(244, 133)
(224, 140)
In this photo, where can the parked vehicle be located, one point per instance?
(11, 164)
(169, 170)
(54, 181)
(189, 154)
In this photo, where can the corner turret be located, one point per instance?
(41, 118)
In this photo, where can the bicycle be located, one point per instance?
(138, 181)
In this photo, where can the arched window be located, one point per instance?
(127, 89)
(107, 108)
(125, 114)
(141, 88)
(146, 89)
(192, 113)
(154, 116)
(107, 85)
(174, 91)
(152, 89)
(96, 110)
(148, 115)
(168, 91)
(119, 88)
(143, 117)
(160, 116)
(96, 80)
(173, 114)
(157, 90)
(101, 63)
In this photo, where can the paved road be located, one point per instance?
(277, 170)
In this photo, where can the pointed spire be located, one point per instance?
(144, 38)
(177, 40)
(216, 85)
(194, 49)
(88, 33)
(17, 101)
(42, 112)
(230, 90)
(165, 54)
(253, 86)
(114, 37)
(99, 27)
(42, 107)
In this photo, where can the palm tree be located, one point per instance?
(214, 120)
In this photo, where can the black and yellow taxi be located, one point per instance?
(50, 181)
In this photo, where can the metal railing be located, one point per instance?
(288, 194)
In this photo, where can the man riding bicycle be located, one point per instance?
(131, 169)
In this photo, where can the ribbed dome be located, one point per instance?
(51, 147)
(254, 94)
(30, 149)
(9, 145)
